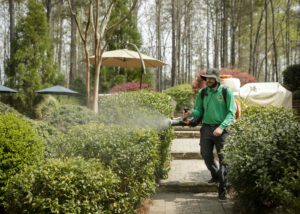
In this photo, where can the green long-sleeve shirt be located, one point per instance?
(214, 109)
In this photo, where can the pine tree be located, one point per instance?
(32, 65)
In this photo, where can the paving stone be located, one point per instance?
(188, 203)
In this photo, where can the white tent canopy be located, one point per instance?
(266, 93)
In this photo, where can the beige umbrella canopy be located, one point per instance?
(127, 59)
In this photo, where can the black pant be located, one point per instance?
(207, 143)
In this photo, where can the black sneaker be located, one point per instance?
(222, 197)
(213, 181)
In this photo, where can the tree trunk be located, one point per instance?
(287, 33)
(173, 69)
(266, 40)
(60, 42)
(275, 65)
(12, 25)
(216, 36)
(250, 69)
(207, 34)
(178, 40)
(158, 43)
(48, 10)
(224, 36)
(73, 50)
(257, 37)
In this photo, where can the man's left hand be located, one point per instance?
(217, 132)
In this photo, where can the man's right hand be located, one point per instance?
(186, 115)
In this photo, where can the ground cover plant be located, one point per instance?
(262, 154)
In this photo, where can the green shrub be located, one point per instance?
(6, 108)
(296, 95)
(47, 105)
(63, 186)
(51, 136)
(131, 154)
(142, 109)
(291, 77)
(183, 95)
(20, 145)
(263, 153)
(67, 116)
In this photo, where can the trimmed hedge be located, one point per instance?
(263, 154)
(47, 105)
(63, 186)
(131, 154)
(51, 136)
(183, 95)
(20, 145)
(142, 109)
(6, 108)
(67, 116)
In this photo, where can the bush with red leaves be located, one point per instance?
(198, 82)
(130, 86)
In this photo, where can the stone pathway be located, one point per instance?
(186, 190)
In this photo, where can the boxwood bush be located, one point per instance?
(20, 145)
(67, 116)
(142, 109)
(263, 154)
(183, 95)
(63, 186)
(51, 136)
(131, 154)
(47, 105)
(6, 108)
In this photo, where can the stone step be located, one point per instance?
(187, 134)
(187, 176)
(185, 148)
(189, 203)
(187, 128)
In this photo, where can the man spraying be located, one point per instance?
(217, 112)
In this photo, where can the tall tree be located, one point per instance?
(99, 16)
(158, 7)
(266, 40)
(31, 66)
(174, 47)
(275, 60)
(224, 34)
(12, 25)
(73, 50)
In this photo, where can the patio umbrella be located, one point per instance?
(4, 89)
(128, 59)
(57, 90)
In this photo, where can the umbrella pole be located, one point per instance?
(142, 62)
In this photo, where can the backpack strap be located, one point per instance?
(224, 93)
(203, 93)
